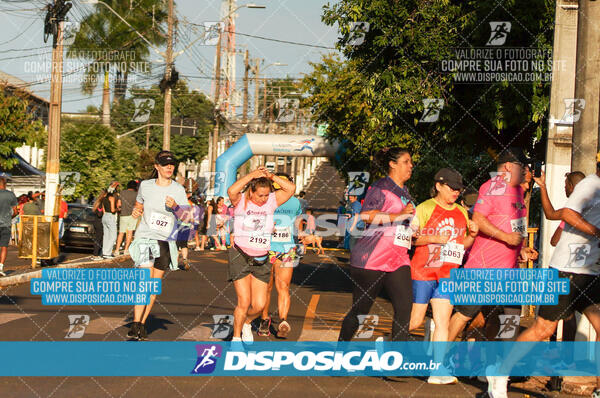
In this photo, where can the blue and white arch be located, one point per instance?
(267, 144)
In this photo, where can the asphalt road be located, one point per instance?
(185, 312)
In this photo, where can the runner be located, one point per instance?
(249, 269)
(380, 257)
(186, 230)
(444, 233)
(160, 201)
(581, 214)
(500, 215)
(221, 220)
(571, 180)
(283, 257)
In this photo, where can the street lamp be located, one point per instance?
(275, 64)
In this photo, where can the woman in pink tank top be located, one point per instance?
(254, 204)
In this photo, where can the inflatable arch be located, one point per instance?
(266, 144)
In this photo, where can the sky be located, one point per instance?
(24, 54)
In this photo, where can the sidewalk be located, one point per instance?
(18, 270)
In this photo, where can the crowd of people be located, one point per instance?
(396, 245)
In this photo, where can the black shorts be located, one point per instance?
(240, 266)
(584, 291)
(4, 236)
(162, 261)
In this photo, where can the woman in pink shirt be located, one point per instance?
(255, 202)
(379, 259)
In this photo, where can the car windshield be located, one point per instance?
(80, 214)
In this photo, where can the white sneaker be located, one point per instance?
(247, 336)
(2, 273)
(442, 380)
(497, 385)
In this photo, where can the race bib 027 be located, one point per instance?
(160, 222)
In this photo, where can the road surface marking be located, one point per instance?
(8, 317)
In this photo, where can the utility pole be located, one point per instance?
(256, 90)
(587, 88)
(147, 137)
(265, 99)
(54, 25)
(215, 135)
(106, 100)
(245, 107)
(168, 71)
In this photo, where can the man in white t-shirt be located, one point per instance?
(576, 258)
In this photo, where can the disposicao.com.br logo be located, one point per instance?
(315, 359)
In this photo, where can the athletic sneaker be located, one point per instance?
(108, 256)
(247, 336)
(2, 272)
(284, 329)
(442, 380)
(265, 327)
(442, 376)
(142, 334)
(596, 394)
(497, 385)
(134, 330)
(186, 264)
(97, 258)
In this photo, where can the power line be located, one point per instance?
(271, 39)
(19, 35)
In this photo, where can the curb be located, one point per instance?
(335, 249)
(27, 276)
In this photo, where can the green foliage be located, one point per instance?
(93, 151)
(185, 104)
(104, 39)
(17, 126)
(373, 97)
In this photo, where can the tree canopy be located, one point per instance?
(17, 126)
(372, 96)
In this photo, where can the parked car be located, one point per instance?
(79, 226)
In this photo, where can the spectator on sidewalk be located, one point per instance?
(8, 209)
(98, 229)
(127, 223)
(62, 213)
(355, 224)
(303, 202)
(109, 220)
(31, 207)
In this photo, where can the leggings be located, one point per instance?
(367, 285)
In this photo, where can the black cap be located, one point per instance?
(164, 158)
(450, 177)
(512, 155)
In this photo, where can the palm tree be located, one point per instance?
(108, 43)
